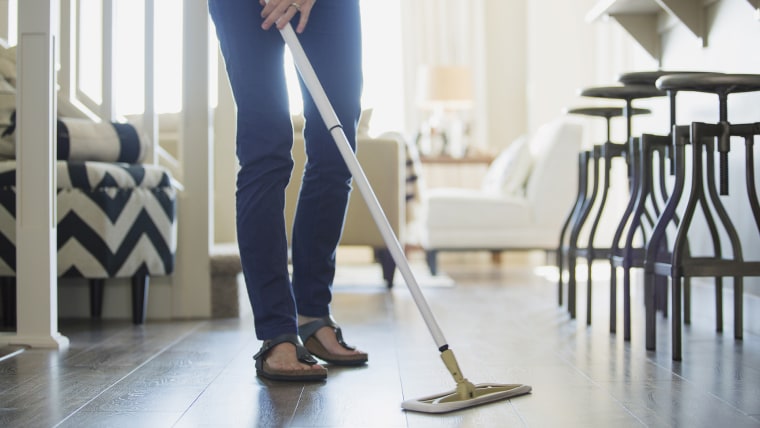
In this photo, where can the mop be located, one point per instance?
(466, 394)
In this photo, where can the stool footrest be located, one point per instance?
(600, 253)
(637, 260)
(711, 267)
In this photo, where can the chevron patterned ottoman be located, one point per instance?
(115, 220)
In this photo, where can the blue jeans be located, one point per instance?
(254, 61)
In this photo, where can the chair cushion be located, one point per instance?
(463, 218)
(455, 207)
(508, 173)
(114, 220)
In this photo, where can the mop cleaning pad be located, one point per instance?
(450, 401)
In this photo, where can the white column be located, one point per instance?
(108, 106)
(37, 264)
(150, 117)
(192, 279)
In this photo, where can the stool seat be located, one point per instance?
(650, 77)
(606, 112)
(628, 92)
(716, 83)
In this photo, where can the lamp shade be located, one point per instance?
(450, 86)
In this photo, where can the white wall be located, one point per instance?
(560, 54)
(501, 85)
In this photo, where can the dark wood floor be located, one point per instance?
(503, 323)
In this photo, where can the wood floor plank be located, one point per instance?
(121, 420)
(243, 403)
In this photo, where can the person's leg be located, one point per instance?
(332, 42)
(254, 61)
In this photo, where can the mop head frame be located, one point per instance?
(451, 401)
(466, 394)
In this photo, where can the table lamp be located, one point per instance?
(446, 91)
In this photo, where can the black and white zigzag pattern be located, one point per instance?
(84, 139)
(114, 220)
(96, 175)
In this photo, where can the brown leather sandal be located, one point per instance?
(313, 345)
(314, 374)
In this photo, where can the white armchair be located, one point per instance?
(521, 205)
(383, 160)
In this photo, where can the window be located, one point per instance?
(89, 53)
(128, 55)
(382, 66)
(129, 63)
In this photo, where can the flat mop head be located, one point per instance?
(477, 394)
(466, 393)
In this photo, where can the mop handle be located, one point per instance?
(336, 130)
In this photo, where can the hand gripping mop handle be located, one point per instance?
(336, 130)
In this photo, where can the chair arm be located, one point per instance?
(383, 161)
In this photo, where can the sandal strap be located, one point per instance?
(302, 353)
(309, 329)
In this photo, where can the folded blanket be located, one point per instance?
(86, 140)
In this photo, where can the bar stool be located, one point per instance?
(649, 185)
(576, 213)
(627, 254)
(702, 137)
(627, 94)
(586, 202)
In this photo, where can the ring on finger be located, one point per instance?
(296, 5)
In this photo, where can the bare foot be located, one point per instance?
(283, 357)
(328, 339)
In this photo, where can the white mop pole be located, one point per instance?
(336, 130)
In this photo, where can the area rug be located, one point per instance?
(370, 275)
